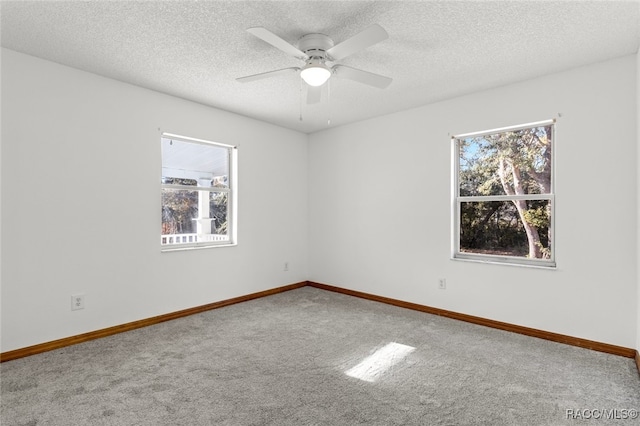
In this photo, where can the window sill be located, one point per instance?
(507, 262)
(165, 249)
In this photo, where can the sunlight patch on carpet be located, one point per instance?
(376, 364)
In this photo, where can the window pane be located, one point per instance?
(193, 163)
(179, 208)
(519, 228)
(181, 220)
(218, 210)
(507, 163)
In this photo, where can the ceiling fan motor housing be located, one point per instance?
(315, 45)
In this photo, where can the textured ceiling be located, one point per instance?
(436, 49)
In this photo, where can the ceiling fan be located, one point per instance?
(320, 54)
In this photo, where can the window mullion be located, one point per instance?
(472, 198)
(196, 188)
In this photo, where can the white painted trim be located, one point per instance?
(505, 260)
(188, 139)
(505, 129)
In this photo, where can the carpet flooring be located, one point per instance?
(313, 357)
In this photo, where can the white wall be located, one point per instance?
(81, 204)
(380, 206)
(63, 127)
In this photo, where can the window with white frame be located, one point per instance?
(503, 196)
(198, 193)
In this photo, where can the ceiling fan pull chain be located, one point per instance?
(329, 102)
(300, 99)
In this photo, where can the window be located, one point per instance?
(503, 195)
(198, 193)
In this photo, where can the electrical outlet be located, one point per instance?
(77, 302)
(442, 283)
(286, 266)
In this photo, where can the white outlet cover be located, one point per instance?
(77, 302)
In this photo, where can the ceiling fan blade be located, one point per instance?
(267, 74)
(266, 35)
(314, 93)
(365, 77)
(368, 37)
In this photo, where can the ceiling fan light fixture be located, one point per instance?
(315, 73)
